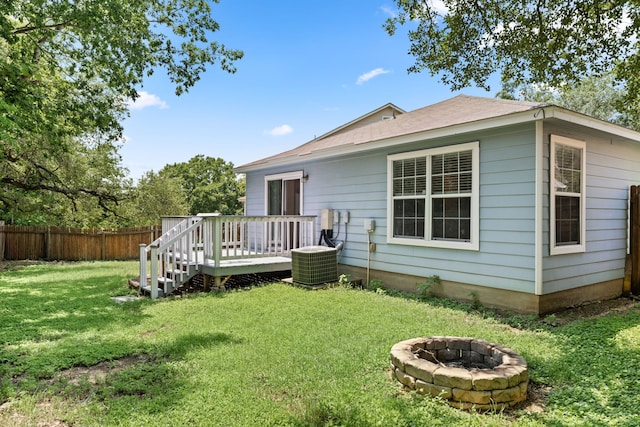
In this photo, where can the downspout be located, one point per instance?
(539, 206)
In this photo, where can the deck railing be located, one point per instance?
(212, 239)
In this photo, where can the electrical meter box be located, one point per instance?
(326, 219)
(369, 225)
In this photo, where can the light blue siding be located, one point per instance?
(612, 166)
(358, 184)
(506, 257)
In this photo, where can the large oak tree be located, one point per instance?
(67, 69)
(553, 42)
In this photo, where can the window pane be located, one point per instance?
(451, 208)
(409, 218)
(568, 169)
(438, 208)
(397, 187)
(451, 173)
(451, 218)
(451, 229)
(420, 209)
(451, 162)
(409, 176)
(397, 227)
(465, 229)
(397, 208)
(409, 187)
(465, 183)
(274, 198)
(436, 184)
(465, 207)
(421, 185)
(567, 220)
(437, 229)
(437, 165)
(451, 183)
(397, 169)
(409, 168)
(465, 161)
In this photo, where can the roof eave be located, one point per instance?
(591, 122)
(506, 120)
(531, 115)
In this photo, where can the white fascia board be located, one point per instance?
(533, 115)
(591, 122)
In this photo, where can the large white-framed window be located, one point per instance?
(568, 162)
(283, 193)
(433, 197)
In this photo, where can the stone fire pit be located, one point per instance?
(467, 372)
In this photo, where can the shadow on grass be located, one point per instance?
(152, 386)
(52, 317)
(189, 342)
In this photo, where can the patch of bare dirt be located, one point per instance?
(15, 265)
(536, 400)
(596, 309)
(97, 373)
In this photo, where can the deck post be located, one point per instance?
(143, 267)
(217, 241)
(154, 271)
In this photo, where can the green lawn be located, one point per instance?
(275, 355)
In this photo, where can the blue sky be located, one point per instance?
(309, 67)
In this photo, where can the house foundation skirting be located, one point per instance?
(520, 302)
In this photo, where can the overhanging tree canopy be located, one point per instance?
(68, 68)
(551, 41)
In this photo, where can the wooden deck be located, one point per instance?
(231, 267)
(220, 247)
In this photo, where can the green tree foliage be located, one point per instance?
(596, 96)
(210, 185)
(551, 41)
(80, 186)
(154, 196)
(67, 70)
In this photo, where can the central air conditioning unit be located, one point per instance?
(314, 265)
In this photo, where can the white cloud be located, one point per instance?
(388, 11)
(280, 130)
(439, 7)
(146, 99)
(371, 74)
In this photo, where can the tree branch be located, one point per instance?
(27, 29)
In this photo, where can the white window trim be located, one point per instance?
(285, 177)
(474, 243)
(567, 249)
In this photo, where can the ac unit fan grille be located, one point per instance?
(314, 265)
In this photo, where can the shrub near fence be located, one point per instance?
(62, 243)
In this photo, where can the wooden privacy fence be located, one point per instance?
(63, 243)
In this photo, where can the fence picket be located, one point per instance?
(73, 244)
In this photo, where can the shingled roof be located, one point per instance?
(451, 112)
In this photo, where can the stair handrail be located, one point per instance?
(160, 245)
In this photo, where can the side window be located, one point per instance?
(568, 186)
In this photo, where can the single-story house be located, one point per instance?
(520, 205)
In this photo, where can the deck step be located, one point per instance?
(147, 289)
(176, 272)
